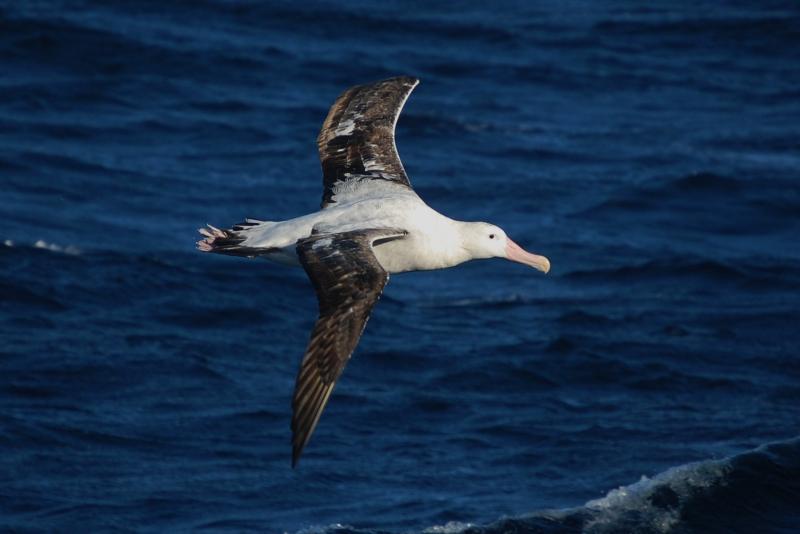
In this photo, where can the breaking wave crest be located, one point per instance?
(756, 491)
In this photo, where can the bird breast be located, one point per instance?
(432, 243)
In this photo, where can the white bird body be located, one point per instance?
(371, 224)
(433, 240)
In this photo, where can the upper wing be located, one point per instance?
(356, 141)
(348, 280)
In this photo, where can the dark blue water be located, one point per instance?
(650, 383)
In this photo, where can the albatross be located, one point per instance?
(371, 224)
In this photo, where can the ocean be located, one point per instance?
(649, 383)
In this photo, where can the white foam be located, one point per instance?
(451, 527)
(319, 529)
(69, 249)
(684, 481)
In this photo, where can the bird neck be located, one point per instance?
(461, 241)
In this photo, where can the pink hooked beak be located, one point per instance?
(515, 252)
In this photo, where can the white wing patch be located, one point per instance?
(347, 126)
(352, 190)
(371, 165)
(322, 243)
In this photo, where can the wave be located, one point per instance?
(742, 271)
(42, 244)
(703, 204)
(696, 188)
(756, 491)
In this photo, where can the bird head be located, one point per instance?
(484, 240)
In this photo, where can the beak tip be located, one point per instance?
(545, 266)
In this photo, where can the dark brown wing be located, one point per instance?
(348, 280)
(356, 141)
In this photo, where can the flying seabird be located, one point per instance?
(371, 224)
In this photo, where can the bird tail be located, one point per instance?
(232, 241)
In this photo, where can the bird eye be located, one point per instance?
(491, 236)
